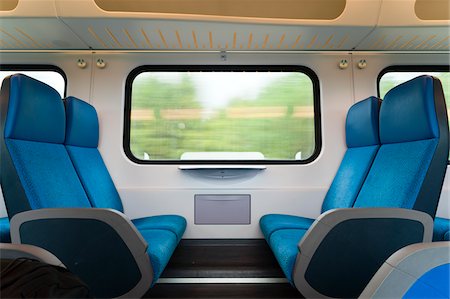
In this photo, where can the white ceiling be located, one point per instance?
(380, 25)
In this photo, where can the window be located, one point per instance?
(50, 75)
(396, 75)
(249, 114)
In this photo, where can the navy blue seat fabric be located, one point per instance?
(82, 132)
(441, 229)
(283, 232)
(5, 237)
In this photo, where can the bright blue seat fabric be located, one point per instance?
(40, 171)
(284, 246)
(441, 229)
(273, 222)
(410, 165)
(5, 236)
(432, 284)
(406, 170)
(81, 142)
(161, 245)
(174, 223)
(36, 169)
(99, 186)
(362, 145)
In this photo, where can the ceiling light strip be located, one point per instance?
(113, 37)
(19, 42)
(163, 39)
(147, 39)
(408, 43)
(297, 41)
(92, 32)
(29, 37)
(425, 41)
(130, 38)
(194, 37)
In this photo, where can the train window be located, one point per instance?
(396, 75)
(50, 75)
(222, 113)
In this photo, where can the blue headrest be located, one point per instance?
(408, 112)
(361, 127)
(35, 111)
(82, 123)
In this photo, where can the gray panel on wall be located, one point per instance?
(222, 208)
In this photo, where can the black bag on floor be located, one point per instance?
(28, 278)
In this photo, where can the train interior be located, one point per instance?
(227, 149)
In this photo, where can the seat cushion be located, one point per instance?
(441, 229)
(174, 223)
(95, 177)
(361, 130)
(284, 246)
(4, 230)
(350, 177)
(397, 174)
(47, 175)
(161, 245)
(273, 222)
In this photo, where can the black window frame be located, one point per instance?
(222, 68)
(411, 68)
(36, 67)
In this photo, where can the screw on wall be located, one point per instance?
(362, 64)
(223, 56)
(343, 64)
(81, 63)
(101, 64)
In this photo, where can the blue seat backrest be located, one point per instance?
(36, 171)
(362, 139)
(82, 135)
(409, 168)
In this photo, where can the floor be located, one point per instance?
(223, 269)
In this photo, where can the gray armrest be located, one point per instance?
(14, 251)
(101, 246)
(344, 248)
(405, 267)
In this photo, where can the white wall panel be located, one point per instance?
(164, 189)
(153, 189)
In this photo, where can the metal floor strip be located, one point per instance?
(222, 280)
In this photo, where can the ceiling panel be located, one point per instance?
(407, 39)
(120, 34)
(37, 34)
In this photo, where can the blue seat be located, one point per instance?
(441, 229)
(87, 160)
(419, 271)
(405, 172)
(362, 145)
(50, 200)
(4, 230)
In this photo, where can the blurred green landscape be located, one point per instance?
(168, 118)
(279, 122)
